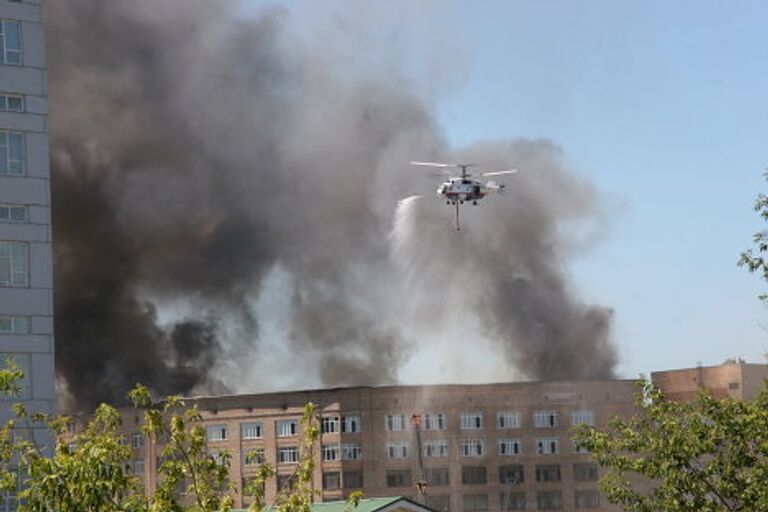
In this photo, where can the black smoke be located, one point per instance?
(195, 151)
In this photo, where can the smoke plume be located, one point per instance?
(196, 151)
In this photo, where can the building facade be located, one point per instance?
(734, 379)
(483, 447)
(26, 275)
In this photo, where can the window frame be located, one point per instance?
(4, 48)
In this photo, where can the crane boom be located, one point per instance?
(421, 480)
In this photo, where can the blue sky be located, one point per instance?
(664, 107)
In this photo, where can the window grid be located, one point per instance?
(14, 325)
(217, 432)
(507, 419)
(472, 447)
(434, 421)
(254, 430)
(11, 103)
(397, 450)
(330, 424)
(287, 428)
(331, 452)
(395, 422)
(14, 264)
(10, 42)
(351, 423)
(11, 153)
(253, 457)
(471, 420)
(545, 419)
(435, 448)
(13, 213)
(351, 451)
(547, 445)
(583, 418)
(509, 447)
(287, 455)
(549, 500)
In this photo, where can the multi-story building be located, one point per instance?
(26, 275)
(486, 447)
(734, 379)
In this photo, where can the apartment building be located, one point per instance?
(26, 275)
(485, 447)
(735, 379)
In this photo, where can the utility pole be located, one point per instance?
(421, 480)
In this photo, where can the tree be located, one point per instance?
(754, 260)
(706, 455)
(90, 471)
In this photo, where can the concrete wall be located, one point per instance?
(34, 301)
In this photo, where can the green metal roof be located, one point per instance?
(365, 505)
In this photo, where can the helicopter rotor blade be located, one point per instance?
(432, 164)
(500, 173)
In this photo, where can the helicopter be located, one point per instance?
(466, 187)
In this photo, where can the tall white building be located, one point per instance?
(26, 274)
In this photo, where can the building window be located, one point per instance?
(10, 42)
(13, 213)
(439, 502)
(579, 449)
(583, 418)
(398, 478)
(217, 432)
(475, 503)
(511, 474)
(253, 430)
(331, 481)
(472, 447)
(548, 473)
(329, 424)
(397, 450)
(351, 451)
(331, 452)
(544, 419)
(589, 498)
(437, 477)
(251, 487)
(253, 457)
(138, 467)
(434, 421)
(137, 440)
(353, 479)
(285, 482)
(395, 422)
(287, 454)
(509, 447)
(14, 264)
(287, 428)
(22, 363)
(547, 445)
(471, 420)
(220, 457)
(435, 448)
(473, 475)
(11, 103)
(512, 500)
(585, 472)
(351, 423)
(11, 153)
(14, 325)
(549, 500)
(507, 419)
